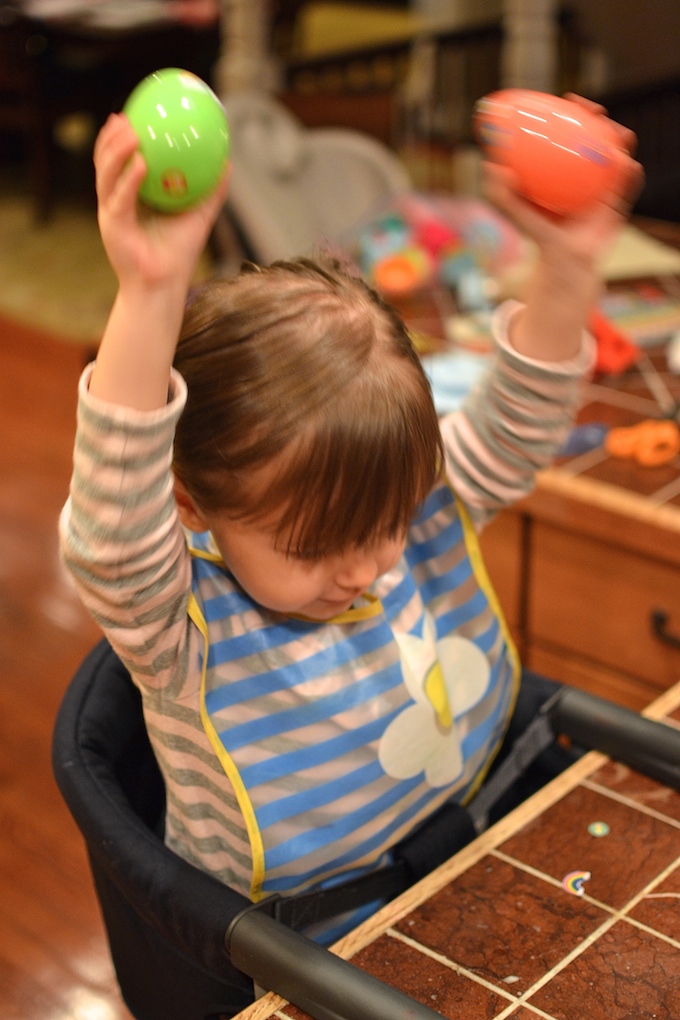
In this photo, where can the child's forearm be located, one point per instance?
(558, 301)
(137, 349)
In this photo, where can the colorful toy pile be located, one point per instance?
(460, 242)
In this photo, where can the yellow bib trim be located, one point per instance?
(373, 608)
(244, 801)
(480, 572)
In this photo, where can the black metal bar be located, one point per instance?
(643, 744)
(311, 977)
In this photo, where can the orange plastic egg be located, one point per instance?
(564, 156)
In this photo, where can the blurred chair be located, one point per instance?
(294, 189)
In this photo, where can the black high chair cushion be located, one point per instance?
(165, 919)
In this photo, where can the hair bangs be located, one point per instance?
(357, 475)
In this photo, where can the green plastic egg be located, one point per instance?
(183, 136)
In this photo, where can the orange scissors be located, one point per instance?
(650, 442)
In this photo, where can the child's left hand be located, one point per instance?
(584, 236)
(566, 281)
(141, 245)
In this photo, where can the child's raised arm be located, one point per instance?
(153, 257)
(565, 281)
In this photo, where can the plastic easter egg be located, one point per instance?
(565, 157)
(183, 136)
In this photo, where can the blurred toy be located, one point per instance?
(403, 272)
(650, 443)
(565, 157)
(583, 439)
(457, 241)
(615, 351)
(183, 136)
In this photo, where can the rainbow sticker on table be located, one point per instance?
(573, 882)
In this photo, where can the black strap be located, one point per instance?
(305, 909)
(446, 832)
(538, 735)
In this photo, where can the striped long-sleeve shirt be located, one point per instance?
(128, 554)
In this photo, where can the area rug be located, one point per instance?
(55, 276)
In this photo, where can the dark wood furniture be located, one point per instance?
(49, 68)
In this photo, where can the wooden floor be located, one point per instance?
(54, 963)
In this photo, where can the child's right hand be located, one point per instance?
(148, 249)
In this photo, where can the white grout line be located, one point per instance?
(655, 383)
(669, 491)
(652, 931)
(596, 393)
(529, 1007)
(615, 915)
(445, 961)
(583, 461)
(629, 802)
(530, 870)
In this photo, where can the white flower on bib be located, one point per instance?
(445, 678)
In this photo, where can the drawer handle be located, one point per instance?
(659, 621)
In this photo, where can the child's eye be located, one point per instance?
(296, 554)
(302, 557)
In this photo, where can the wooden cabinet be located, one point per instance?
(502, 548)
(580, 585)
(598, 599)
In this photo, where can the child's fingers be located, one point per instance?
(627, 138)
(213, 203)
(587, 104)
(123, 196)
(632, 181)
(114, 147)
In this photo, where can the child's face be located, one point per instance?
(277, 580)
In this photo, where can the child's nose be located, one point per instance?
(357, 571)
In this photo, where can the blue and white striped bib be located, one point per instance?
(341, 737)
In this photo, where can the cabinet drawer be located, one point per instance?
(598, 600)
(501, 545)
(591, 676)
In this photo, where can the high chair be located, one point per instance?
(187, 947)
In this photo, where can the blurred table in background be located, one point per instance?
(64, 57)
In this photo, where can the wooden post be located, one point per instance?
(246, 62)
(529, 57)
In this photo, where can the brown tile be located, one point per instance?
(500, 922)
(626, 974)
(637, 848)
(660, 909)
(430, 982)
(524, 1013)
(294, 1013)
(639, 788)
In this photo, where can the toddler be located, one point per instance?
(279, 538)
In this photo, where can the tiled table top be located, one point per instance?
(568, 908)
(646, 390)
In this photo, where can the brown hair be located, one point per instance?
(303, 358)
